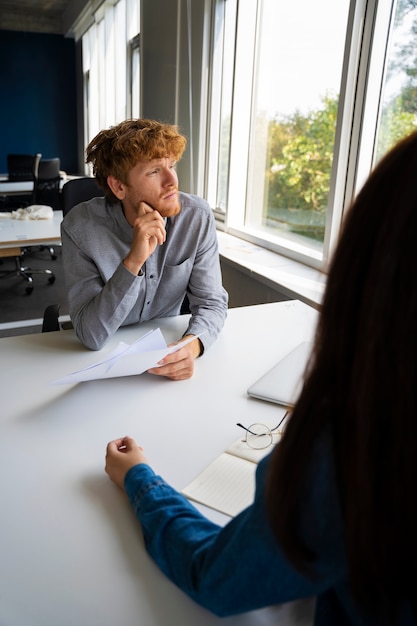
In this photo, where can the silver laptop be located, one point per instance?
(282, 383)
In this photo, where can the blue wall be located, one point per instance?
(38, 97)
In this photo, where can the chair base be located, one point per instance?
(41, 248)
(26, 274)
(51, 251)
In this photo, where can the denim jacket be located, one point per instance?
(241, 567)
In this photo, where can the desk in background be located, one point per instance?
(17, 234)
(71, 548)
(22, 186)
(15, 187)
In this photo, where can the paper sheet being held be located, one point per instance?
(127, 360)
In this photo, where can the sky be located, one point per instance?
(302, 50)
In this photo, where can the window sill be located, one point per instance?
(293, 279)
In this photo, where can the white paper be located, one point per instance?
(127, 360)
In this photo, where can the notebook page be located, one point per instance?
(226, 485)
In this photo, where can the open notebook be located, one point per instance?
(228, 483)
(281, 384)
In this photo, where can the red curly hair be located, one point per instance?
(116, 150)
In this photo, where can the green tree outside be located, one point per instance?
(299, 167)
(300, 147)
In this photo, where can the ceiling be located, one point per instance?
(36, 16)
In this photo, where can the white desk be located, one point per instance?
(17, 187)
(15, 234)
(71, 549)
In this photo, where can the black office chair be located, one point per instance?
(26, 272)
(47, 191)
(47, 186)
(21, 167)
(79, 190)
(73, 192)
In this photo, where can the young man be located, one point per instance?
(136, 253)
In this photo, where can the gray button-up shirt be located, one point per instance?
(104, 295)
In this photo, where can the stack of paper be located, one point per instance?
(127, 360)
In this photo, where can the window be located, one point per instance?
(133, 39)
(315, 102)
(110, 49)
(223, 45)
(399, 96)
(303, 99)
(134, 77)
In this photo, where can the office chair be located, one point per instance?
(26, 272)
(47, 191)
(22, 167)
(47, 185)
(51, 320)
(73, 192)
(79, 190)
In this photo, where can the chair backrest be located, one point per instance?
(79, 190)
(49, 168)
(47, 185)
(23, 166)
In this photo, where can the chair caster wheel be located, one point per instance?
(51, 280)
(29, 290)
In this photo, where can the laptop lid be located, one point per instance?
(282, 383)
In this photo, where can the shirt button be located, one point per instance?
(150, 275)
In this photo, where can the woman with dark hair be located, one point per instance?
(334, 514)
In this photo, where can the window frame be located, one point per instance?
(108, 45)
(364, 64)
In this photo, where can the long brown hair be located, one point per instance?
(361, 385)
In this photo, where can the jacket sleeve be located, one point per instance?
(228, 570)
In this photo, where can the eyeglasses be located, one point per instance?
(259, 436)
